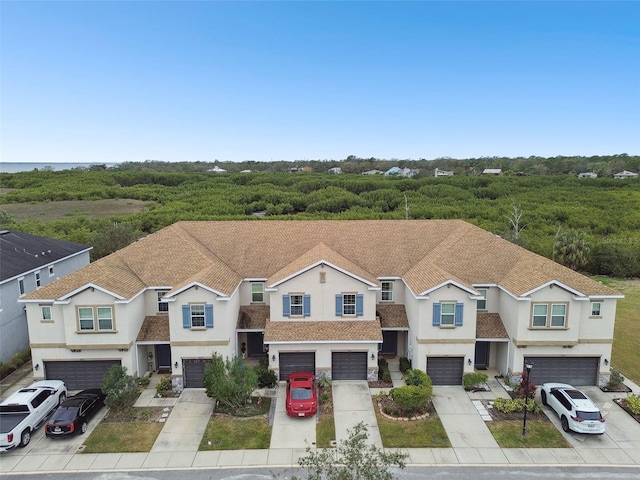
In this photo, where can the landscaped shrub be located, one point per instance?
(633, 403)
(324, 381)
(121, 390)
(19, 359)
(384, 375)
(266, 377)
(405, 364)
(164, 385)
(144, 381)
(417, 378)
(514, 405)
(471, 380)
(526, 386)
(410, 400)
(615, 379)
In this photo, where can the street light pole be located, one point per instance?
(527, 366)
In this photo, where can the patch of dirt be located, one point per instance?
(622, 402)
(622, 388)
(135, 414)
(47, 211)
(380, 384)
(325, 407)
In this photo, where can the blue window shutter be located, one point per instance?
(436, 314)
(306, 305)
(186, 316)
(286, 305)
(208, 315)
(359, 305)
(338, 305)
(458, 318)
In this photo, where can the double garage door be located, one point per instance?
(79, 375)
(344, 365)
(576, 371)
(445, 370)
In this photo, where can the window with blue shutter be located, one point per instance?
(208, 315)
(307, 305)
(359, 305)
(338, 305)
(459, 311)
(186, 316)
(436, 314)
(286, 306)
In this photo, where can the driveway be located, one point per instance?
(352, 404)
(291, 432)
(621, 441)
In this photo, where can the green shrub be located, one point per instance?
(513, 405)
(324, 397)
(121, 390)
(470, 380)
(615, 379)
(411, 400)
(144, 381)
(384, 375)
(633, 404)
(324, 381)
(164, 385)
(418, 378)
(405, 364)
(266, 377)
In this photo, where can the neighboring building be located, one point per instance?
(373, 172)
(402, 172)
(625, 174)
(335, 170)
(28, 262)
(217, 169)
(492, 171)
(327, 297)
(443, 173)
(587, 175)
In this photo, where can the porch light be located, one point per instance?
(175, 365)
(469, 361)
(37, 367)
(273, 358)
(373, 356)
(606, 362)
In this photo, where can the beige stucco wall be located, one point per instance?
(245, 294)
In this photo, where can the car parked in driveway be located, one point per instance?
(73, 415)
(576, 411)
(302, 394)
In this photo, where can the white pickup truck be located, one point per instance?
(27, 409)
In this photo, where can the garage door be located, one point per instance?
(79, 375)
(577, 371)
(349, 365)
(194, 372)
(297, 362)
(445, 370)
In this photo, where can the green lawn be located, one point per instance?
(626, 336)
(325, 431)
(234, 433)
(117, 437)
(540, 434)
(414, 434)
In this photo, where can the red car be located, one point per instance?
(302, 394)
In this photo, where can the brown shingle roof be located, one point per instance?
(489, 325)
(219, 254)
(392, 315)
(328, 331)
(154, 328)
(253, 317)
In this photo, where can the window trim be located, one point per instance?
(163, 307)
(486, 295)
(21, 288)
(599, 313)
(38, 278)
(51, 272)
(43, 318)
(549, 316)
(451, 314)
(95, 319)
(458, 314)
(193, 315)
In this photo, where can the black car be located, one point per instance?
(73, 415)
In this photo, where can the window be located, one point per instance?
(549, 315)
(448, 314)
(257, 292)
(37, 275)
(197, 315)
(387, 291)
(163, 307)
(595, 309)
(482, 304)
(87, 319)
(46, 312)
(349, 304)
(51, 270)
(296, 305)
(21, 285)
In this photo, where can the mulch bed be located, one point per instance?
(388, 406)
(135, 414)
(380, 384)
(325, 408)
(622, 388)
(622, 402)
(498, 415)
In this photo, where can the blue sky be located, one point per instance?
(203, 80)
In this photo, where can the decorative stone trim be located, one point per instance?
(402, 419)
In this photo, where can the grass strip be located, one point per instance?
(117, 437)
(427, 433)
(540, 434)
(325, 431)
(233, 433)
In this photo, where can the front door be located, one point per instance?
(389, 342)
(482, 355)
(256, 345)
(163, 354)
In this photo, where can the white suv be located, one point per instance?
(576, 411)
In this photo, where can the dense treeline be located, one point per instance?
(606, 211)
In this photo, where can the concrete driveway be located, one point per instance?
(352, 404)
(619, 444)
(291, 432)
